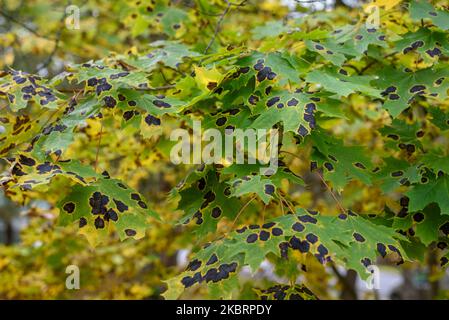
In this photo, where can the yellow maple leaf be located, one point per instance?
(387, 4)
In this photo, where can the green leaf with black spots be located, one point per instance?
(403, 135)
(341, 163)
(435, 191)
(324, 49)
(259, 185)
(206, 201)
(294, 110)
(395, 172)
(28, 172)
(105, 206)
(19, 88)
(430, 44)
(421, 9)
(168, 53)
(437, 161)
(348, 239)
(286, 292)
(428, 223)
(342, 84)
(400, 88)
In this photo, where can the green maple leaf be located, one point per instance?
(342, 163)
(19, 88)
(435, 191)
(351, 240)
(104, 205)
(424, 10)
(428, 43)
(269, 29)
(342, 84)
(400, 89)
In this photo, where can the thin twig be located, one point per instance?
(218, 25)
(324, 182)
(280, 201)
(49, 59)
(241, 210)
(332, 193)
(166, 87)
(98, 146)
(23, 25)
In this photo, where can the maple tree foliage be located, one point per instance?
(86, 118)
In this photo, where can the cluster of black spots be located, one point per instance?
(263, 72)
(119, 75)
(404, 204)
(398, 173)
(415, 45)
(101, 84)
(358, 237)
(389, 91)
(47, 167)
(285, 292)
(98, 203)
(69, 207)
(283, 250)
(300, 245)
(152, 120)
(194, 265)
(214, 275)
(216, 212)
(221, 121)
(111, 215)
(309, 117)
(307, 219)
(199, 217)
(127, 115)
(208, 198)
(82, 222)
(442, 245)
(109, 102)
(343, 216)
(99, 223)
(212, 259)
(382, 249)
(32, 89)
(445, 228)
(26, 161)
(359, 165)
(418, 217)
(269, 189)
(366, 262)
(329, 166)
(253, 99)
(311, 238)
(298, 227)
(252, 238)
(272, 101)
(130, 232)
(161, 104)
(201, 184)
